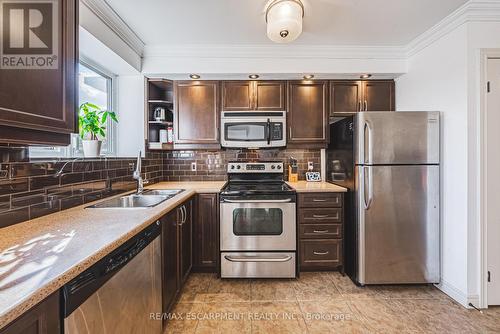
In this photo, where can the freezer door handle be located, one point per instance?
(367, 187)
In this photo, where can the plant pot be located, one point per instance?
(91, 148)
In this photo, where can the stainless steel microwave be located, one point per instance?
(253, 129)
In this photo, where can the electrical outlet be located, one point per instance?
(310, 165)
(193, 166)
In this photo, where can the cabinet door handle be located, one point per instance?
(359, 105)
(321, 253)
(320, 231)
(366, 105)
(321, 216)
(290, 133)
(182, 215)
(319, 200)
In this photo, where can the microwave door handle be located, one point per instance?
(268, 131)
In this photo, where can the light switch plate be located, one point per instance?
(193, 166)
(310, 165)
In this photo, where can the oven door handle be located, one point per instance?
(288, 200)
(257, 259)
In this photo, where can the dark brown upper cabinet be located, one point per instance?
(270, 95)
(38, 106)
(253, 95)
(345, 96)
(196, 114)
(379, 96)
(348, 97)
(237, 95)
(308, 114)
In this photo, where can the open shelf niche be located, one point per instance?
(159, 94)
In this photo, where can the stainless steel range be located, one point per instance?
(258, 228)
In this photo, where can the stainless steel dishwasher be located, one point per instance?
(120, 292)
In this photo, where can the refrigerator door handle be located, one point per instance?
(367, 173)
(367, 143)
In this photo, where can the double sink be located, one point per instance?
(145, 199)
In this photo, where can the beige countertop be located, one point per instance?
(39, 256)
(304, 186)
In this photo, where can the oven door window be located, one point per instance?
(246, 131)
(257, 221)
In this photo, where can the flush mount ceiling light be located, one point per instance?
(365, 76)
(194, 76)
(284, 20)
(308, 76)
(253, 76)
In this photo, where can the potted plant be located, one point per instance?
(92, 126)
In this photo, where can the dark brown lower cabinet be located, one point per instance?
(321, 229)
(40, 319)
(185, 238)
(320, 253)
(205, 233)
(170, 257)
(177, 253)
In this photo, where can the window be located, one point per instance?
(95, 86)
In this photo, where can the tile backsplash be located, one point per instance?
(212, 165)
(36, 187)
(39, 187)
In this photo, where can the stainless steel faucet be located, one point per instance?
(137, 175)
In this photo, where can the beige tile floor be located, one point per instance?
(320, 303)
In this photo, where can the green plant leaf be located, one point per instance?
(104, 117)
(91, 120)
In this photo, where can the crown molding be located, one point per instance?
(275, 51)
(472, 11)
(111, 19)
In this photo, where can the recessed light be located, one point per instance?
(253, 76)
(308, 76)
(365, 76)
(194, 76)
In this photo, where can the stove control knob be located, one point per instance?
(279, 167)
(273, 166)
(232, 166)
(239, 167)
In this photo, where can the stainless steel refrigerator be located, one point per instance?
(390, 163)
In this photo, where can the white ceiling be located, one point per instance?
(326, 22)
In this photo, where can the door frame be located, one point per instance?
(485, 54)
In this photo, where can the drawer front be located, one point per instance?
(320, 200)
(320, 253)
(258, 265)
(321, 231)
(320, 216)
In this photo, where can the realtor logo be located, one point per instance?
(28, 32)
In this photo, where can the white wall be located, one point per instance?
(275, 59)
(481, 35)
(131, 112)
(129, 97)
(92, 48)
(94, 25)
(437, 80)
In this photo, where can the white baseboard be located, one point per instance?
(458, 295)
